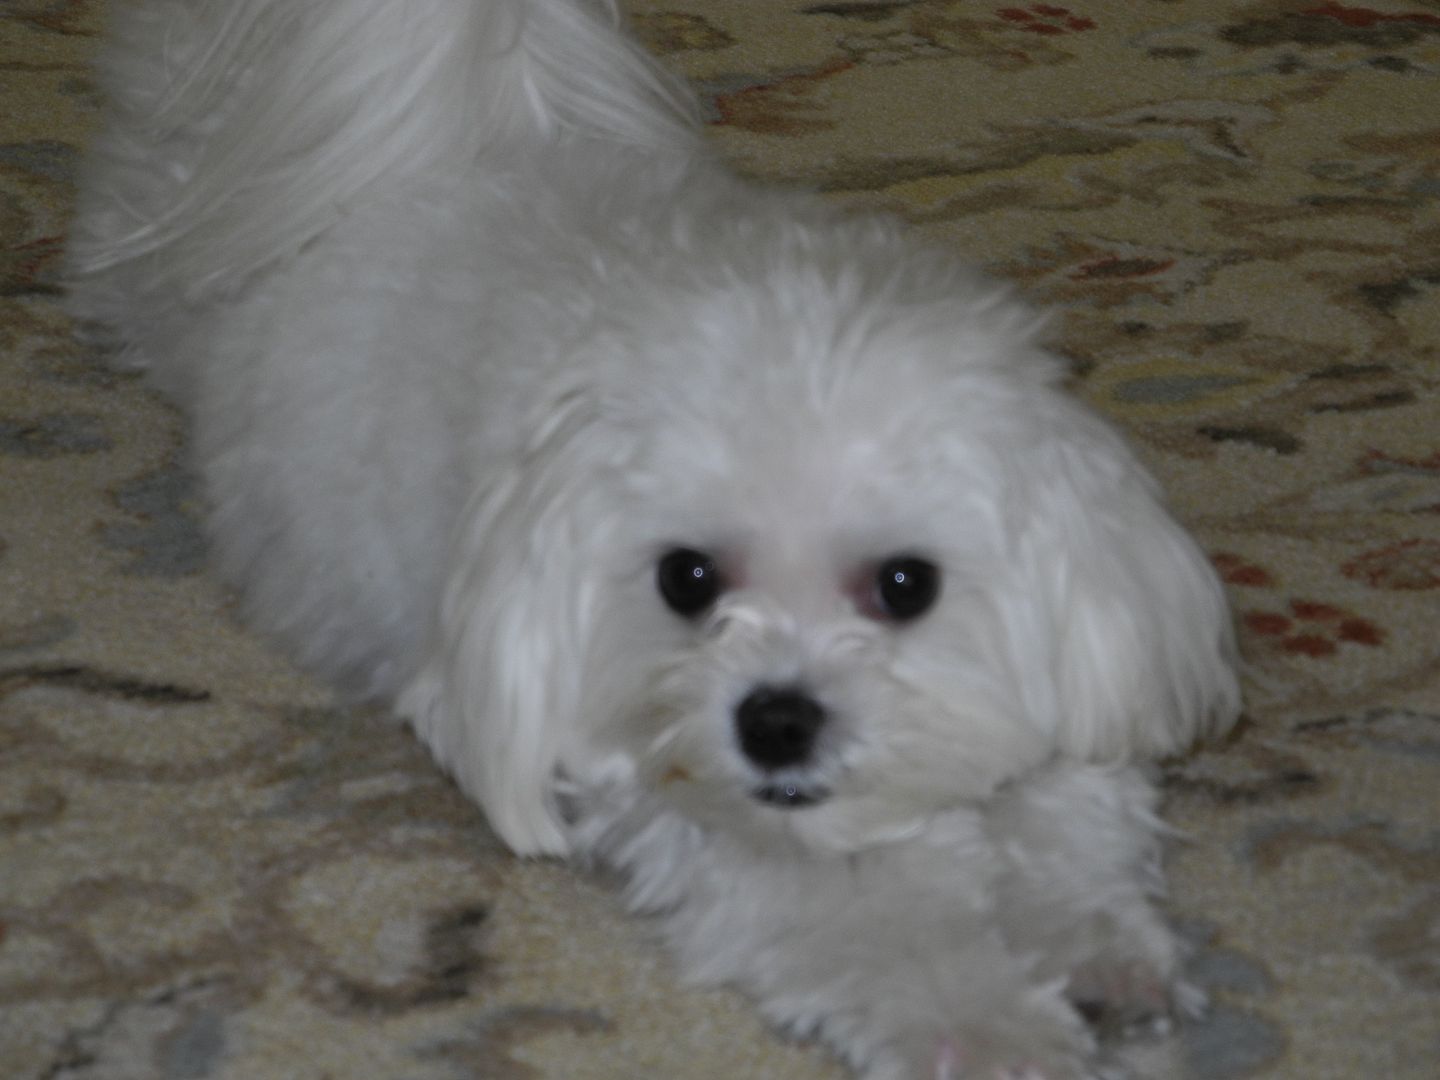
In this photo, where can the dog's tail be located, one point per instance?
(237, 130)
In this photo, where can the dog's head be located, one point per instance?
(815, 570)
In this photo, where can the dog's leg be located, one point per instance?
(895, 957)
(1083, 849)
(972, 1012)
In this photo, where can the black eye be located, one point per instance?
(688, 580)
(906, 586)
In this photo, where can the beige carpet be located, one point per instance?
(207, 870)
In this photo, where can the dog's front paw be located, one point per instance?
(1135, 978)
(951, 1062)
(1127, 993)
(1046, 1043)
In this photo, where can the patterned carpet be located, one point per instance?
(207, 869)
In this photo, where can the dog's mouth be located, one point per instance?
(789, 796)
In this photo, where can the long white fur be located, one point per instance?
(472, 327)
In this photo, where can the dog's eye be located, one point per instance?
(688, 580)
(906, 586)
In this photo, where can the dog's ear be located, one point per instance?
(1142, 657)
(498, 694)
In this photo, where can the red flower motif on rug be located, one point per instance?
(1407, 566)
(1046, 19)
(1312, 629)
(1365, 17)
(1237, 570)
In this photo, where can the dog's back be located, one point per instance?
(303, 220)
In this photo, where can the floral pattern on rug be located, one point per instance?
(210, 869)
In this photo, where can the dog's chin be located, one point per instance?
(791, 814)
(790, 794)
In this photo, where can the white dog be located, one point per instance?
(748, 547)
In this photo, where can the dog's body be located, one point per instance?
(749, 548)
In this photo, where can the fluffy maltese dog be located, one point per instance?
(745, 546)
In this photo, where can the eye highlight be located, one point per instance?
(906, 586)
(688, 580)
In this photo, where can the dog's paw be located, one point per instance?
(1130, 993)
(953, 1062)
(950, 1064)
(1050, 1044)
(1129, 987)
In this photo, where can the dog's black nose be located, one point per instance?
(778, 725)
